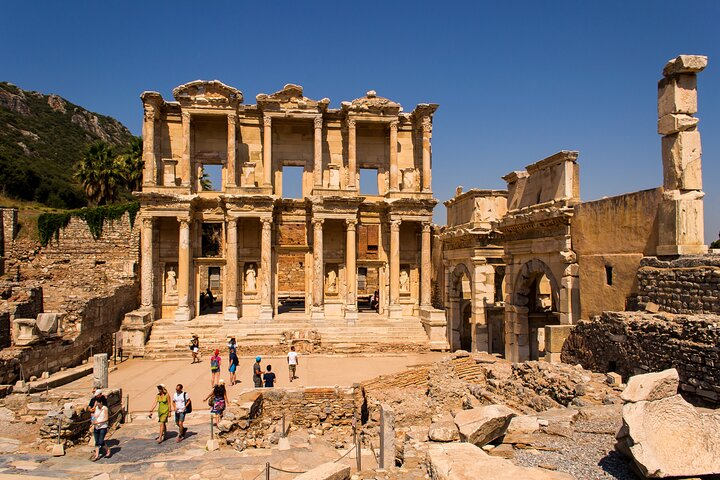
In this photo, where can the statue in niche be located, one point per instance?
(171, 282)
(250, 278)
(409, 183)
(331, 281)
(404, 281)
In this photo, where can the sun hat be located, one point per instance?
(98, 392)
(257, 359)
(222, 381)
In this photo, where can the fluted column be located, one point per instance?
(318, 269)
(352, 154)
(231, 153)
(149, 170)
(426, 268)
(267, 151)
(186, 168)
(317, 151)
(231, 271)
(395, 309)
(184, 275)
(394, 184)
(351, 271)
(266, 309)
(426, 154)
(146, 263)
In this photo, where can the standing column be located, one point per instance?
(185, 169)
(425, 270)
(231, 272)
(351, 271)
(426, 152)
(267, 150)
(146, 263)
(149, 172)
(317, 167)
(183, 282)
(318, 269)
(352, 153)
(395, 309)
(394, 185)
(266, 310)
(232, 128)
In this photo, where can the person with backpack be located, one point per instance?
(257, 373)
(182, 405)
(234, 361)
(217, 401)
(215, 368)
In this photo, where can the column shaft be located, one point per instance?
(317, 151)
(149, 170)
(318, 266)
(352, 154)
(231, 271)
(350, 268)
(394, 262)
(186, 168)
(146, 263)
(184, 266)
(266, 266)
(267, 151)
(231, 153)
(426, 154)
(394, 184)
(426, 268)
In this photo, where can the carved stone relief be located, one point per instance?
(250, 278)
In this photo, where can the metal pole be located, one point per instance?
(283, 426)
(358, 453)
(267, 470)
(59, 426)
(381, 461)
(212, 431)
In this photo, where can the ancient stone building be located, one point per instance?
(220, 213)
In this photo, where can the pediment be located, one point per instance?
(207, 92)
(291, 98)
(372, 103)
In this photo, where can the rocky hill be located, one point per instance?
(41, 139)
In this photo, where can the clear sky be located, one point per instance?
(516, 80)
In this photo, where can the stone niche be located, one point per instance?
(250, 278)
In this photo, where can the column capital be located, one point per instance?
(351, 122)
(395, 225)
(426, 125)
(350, 223)
(147, 222)
(394, 124)
(231, 221)
(317, 222)
(426, 227)
(184, 222)
(232, 118)
(185, 116)
(266, 221)
(318, 121)
(149, 113)
(267, 120)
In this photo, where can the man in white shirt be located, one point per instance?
(292, 358)
(181, 401)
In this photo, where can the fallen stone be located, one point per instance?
(613, 379)
(650, 306)
(6, 415)
(9, 445)
(670, 438)
(212, 445)
(523, 424)
(444, 430)
(327, 471)
(651, 386)
(480, 426)
(503, 451)
(462, 461)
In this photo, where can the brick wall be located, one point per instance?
(311, 406)
(685, 285)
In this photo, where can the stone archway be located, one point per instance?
(535, 304)
(461, 295)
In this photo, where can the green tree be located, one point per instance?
(99, 173)
(205, 182)
(131, 165)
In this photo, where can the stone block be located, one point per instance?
(681, 155)
(58, 450)
(212, 445)
(327, 471)
(652, 386)
(677, 94)
(685, 64)
(681, 224)
(443, 430)
(481, 426)
(387, 436)
(555, 336)
(674, 123)
(613, 379)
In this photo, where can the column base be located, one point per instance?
(318, 313)
(231, 314)
(182, 314)
(395, 312)
(672, 250)
(435, 324)
(266, 313)
(351, 315)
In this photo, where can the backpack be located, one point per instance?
(214, 364)
(188, 404)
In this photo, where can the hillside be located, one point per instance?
(41, 138)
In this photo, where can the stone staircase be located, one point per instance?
(170, 339)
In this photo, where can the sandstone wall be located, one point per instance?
(635, 342)
(312, 406)
(610, 237)
(685, 285)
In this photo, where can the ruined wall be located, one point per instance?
(610, 237)
(685, 285)
(311, 406)
(631, 343)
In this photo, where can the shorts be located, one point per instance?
(99, 434)
(195, 349)
(232, 368)
(179, 417)
(257, 381)
(292, 369)
(162, 417)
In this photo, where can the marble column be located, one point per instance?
(231, 151)
(266, 310)
(231, 271)
(267, 151)
(146, 264)
(395, 309)
(149, 170)
(317, 152)
(425, 268)
(351, 271)
(318, 269)
(186, 167)
(394, 183)
(183, 311)
(426, 152)
(352, 154)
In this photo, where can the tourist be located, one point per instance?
(100, 420)
(292, 358)
(215, 368)
(217, 400)
(375, 301)
(269, 377)
(257, 373)
(181, 405)
(162, 400)
(234, 360)
(97, 398)
(195, 348)
(210, 298)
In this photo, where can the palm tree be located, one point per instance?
(98, 173)
(131, 164)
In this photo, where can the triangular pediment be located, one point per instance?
(207, 92)
(291, 98)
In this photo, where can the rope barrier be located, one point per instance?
(346, 454)
(285, 471)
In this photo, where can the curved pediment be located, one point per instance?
(291, 98)
(207, 92)
(372, 103)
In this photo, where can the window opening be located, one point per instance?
(292, 182)
(608, 275)
(369, 181)
(211, 239)
(211, 178)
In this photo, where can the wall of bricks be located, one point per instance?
(311, 406)
(631, 343)
(686, 285)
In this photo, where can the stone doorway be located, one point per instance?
(291, 282)
(461, 323)
(209, 291)
(466, 328)
(368, 282)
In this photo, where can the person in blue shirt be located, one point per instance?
(269, 377)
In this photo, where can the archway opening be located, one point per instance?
(542, 311)
(461, 332)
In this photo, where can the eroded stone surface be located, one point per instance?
(651, 386)
(482, 425)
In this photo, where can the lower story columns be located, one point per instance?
(266, 310)
(351, 310)
(395, 309)
(184, 310)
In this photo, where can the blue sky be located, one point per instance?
(516, 80)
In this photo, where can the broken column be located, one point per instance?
(681, 229)
(387, 437)
(100, 370)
